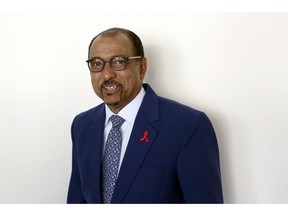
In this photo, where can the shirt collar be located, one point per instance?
(128, 112)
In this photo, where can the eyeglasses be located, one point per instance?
(117, 63)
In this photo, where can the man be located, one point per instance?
(153, 151)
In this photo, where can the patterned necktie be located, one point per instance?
(111, 158)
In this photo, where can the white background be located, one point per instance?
(233, 66)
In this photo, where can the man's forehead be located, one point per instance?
(119, 39)
(112, 44)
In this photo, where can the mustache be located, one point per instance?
(110, 82)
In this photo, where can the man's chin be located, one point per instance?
(114, 107)
(113, 104)
(111, 100)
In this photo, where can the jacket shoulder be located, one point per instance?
(168, 105)
(180, 115)
(89, 114)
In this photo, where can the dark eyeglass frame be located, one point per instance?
(110, 62)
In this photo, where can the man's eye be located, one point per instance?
(96, 63)
(120, 61)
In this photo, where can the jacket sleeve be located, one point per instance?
(75, 191)
(198, 166)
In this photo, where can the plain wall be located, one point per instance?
(233, 66)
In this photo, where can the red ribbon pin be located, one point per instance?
(145, 137)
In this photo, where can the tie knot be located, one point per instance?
(117, 121)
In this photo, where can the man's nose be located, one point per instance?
(108, 72)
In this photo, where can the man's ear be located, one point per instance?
(143, 67)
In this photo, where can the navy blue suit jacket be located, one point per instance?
(179, 163)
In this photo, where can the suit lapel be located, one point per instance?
(142, 137)
(97, 132)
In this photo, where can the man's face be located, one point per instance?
(117, 88)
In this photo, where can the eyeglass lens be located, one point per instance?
(116, 63)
